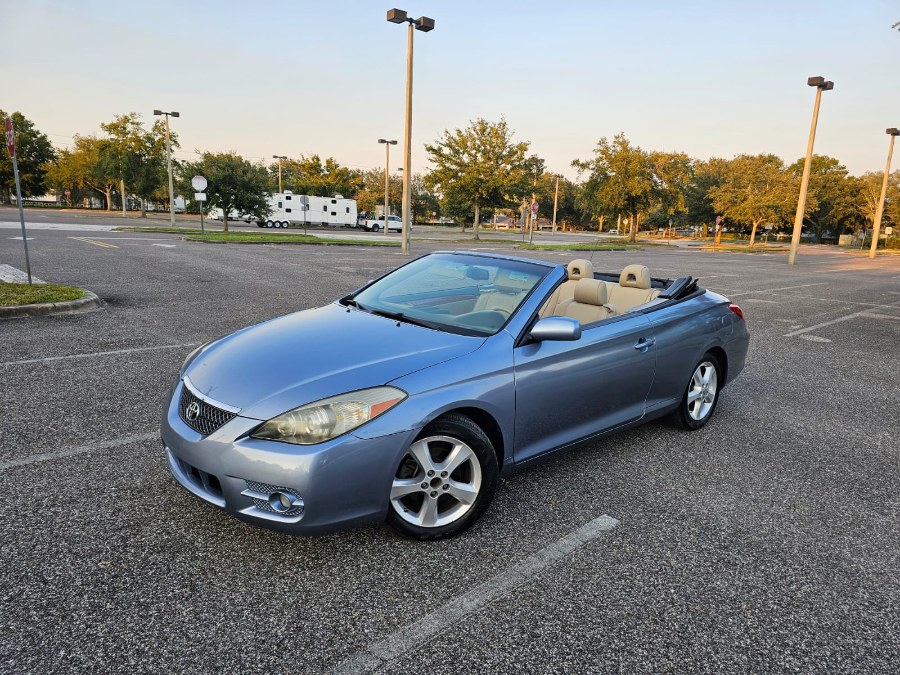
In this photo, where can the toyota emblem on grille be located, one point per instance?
(192, 412)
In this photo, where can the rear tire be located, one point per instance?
(701, 395)
(445, 481)
(269, 224)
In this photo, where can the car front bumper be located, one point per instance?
(342, 483)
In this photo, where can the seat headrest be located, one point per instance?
(590, 292)
(510, 280)
(635, 276)
(580, 269)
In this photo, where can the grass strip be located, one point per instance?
(579, 247)
(744, 249)
(12, 294)
(266, 238)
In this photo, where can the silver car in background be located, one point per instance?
(407, 399)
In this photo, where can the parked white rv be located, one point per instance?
(286, 209)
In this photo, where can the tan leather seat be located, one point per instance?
(632, 290)
(509, 290)
(575, 271)
(588, 304)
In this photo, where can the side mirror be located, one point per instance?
(556, 328)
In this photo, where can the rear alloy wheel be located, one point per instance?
(702, 394)
(445, 481)
(269, 223)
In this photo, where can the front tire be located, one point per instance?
(445, 481)
(701, 395)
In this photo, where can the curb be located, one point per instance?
(88, 303)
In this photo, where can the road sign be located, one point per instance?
(198, 183)
(68, 193)
(200, 196)
(889, 231)
(534, 207)
(304, 200)
(10, 137)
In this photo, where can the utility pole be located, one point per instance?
(279, 158)
(876, 226)
(555, 198)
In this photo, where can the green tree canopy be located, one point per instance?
(81, 168)
(33, 153)
(755, 189)
(832, 196)
(233, 184)
(311, 176)
(136, 155)
(480, 166)
(621, 179)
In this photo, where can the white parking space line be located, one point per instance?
(80, 450)
(772, 290)
(454, 611)
(840, 319)
(8, 273)
(89, 355)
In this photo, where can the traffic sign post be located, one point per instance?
(10, 134)
(199, 184)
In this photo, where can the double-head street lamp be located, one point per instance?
(279, 158)
(424, 24)
(169, 163)
(821, 85)
(893, 133)
(387, 175)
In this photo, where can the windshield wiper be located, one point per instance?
(400, 316)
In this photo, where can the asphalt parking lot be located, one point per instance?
(766, 542)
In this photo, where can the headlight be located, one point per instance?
(330, 417)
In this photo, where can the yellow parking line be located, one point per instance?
(103, 244)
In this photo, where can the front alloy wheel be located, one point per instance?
(445, 480)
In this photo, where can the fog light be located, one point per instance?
(284, 501)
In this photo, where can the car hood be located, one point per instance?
(299, 358)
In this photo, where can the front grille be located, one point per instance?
(208, 419)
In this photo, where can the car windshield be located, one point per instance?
(469, 295)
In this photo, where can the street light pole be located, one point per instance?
(876, 226)
(387, 179)
(424, 24)
(555, 198)
(279, 158)
(169, 163)
(821, 85)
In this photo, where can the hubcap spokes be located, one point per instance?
(444, 485)
(702, 391)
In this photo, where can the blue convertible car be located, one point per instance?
(407, 399)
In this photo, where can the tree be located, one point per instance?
(621, 180)
(868, 192)
(831, 201)
(755, 189)
(311, 176)
(698, 202)
(81, 168)
(33, 153)
(371, 195)
(480, 166)
(233, 184)
(135, 155)
(673, 177)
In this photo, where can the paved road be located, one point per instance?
(767, 542)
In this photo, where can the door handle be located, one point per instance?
(644, 344)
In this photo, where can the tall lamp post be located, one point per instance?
(387, 177)
(279, 158)
(169, 163)
(555, 200)
(821, 85)
(893, 133)
(424, 24)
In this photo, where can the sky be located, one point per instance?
(709, 78)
